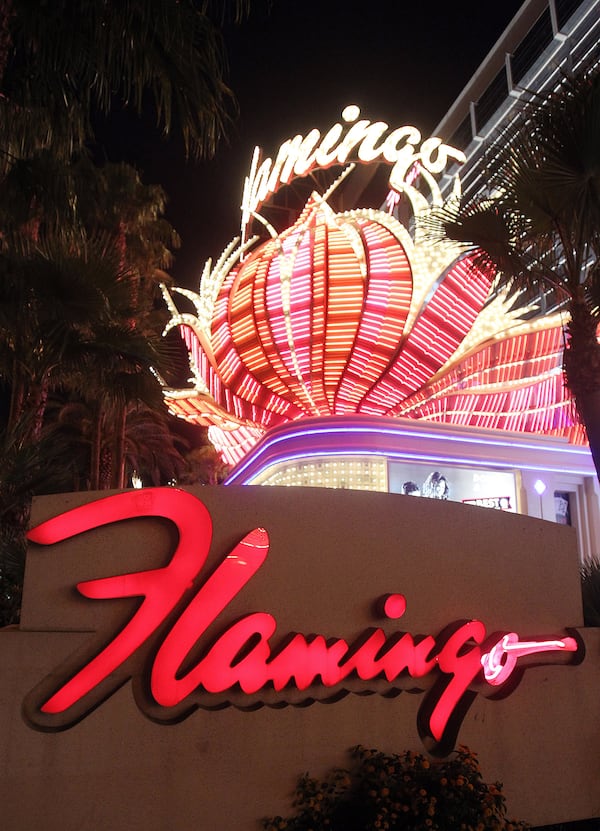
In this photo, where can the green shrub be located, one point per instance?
(406, 791)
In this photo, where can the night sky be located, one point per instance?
(295, 67)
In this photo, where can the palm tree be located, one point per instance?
(59, 301)
(204, 466)
(84, 248)
(538, 225)
(151, 448)
(28, 467)
(62, 61)
(114, 200)
(116, 377)
(78, 275)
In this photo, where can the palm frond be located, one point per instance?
(590, 589)
(538, 223)
(70, 58)
(28, 468)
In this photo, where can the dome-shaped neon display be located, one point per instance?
(345, 314)
(350, 314)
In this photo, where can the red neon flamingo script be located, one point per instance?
(240, 664)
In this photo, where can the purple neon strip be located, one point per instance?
(395, 455)
(266, 447)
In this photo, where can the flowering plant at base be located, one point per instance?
(404, 791)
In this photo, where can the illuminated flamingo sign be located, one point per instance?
(402, 147)
(238, 664)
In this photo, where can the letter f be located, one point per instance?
(161, 588)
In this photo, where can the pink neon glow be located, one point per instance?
(160, 588)
(316, 323)
(499, 663)
(392, 199)
(240, 655)
(395, 606)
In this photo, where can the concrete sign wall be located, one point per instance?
(135, 703)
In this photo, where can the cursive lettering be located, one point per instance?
(242, 656)
(364, 140)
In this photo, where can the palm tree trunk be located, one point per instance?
(38, 407)
(17, 396)
(582, 370)
(6, 14)
(106, 467)
(588, 407)
(119, 456)
(95, 450)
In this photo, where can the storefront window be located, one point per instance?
(487, 488)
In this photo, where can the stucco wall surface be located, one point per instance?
(332, 554)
